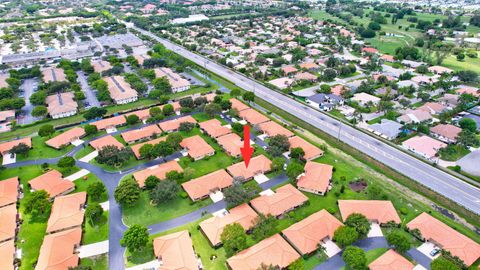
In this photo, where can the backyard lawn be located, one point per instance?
(82, 185)
(96, 263)
(96, 233)
(144, 213)
(41, 150)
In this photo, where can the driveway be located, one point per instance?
(375, 230)
(93, 249)
(331, 249)
(90, 95)
(426, 248)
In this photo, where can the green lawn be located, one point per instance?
(468, 64)
(41, 150)
(84, 151)
(97, 232)
(454, 152)
(144, 213)
(96, 263)
(82, 185)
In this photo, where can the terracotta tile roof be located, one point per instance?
(100, 143)
(374, 210)
(388, 58)
(101, 66)
(425, 145)
(197, 147)
(305, 76)
(308, 233)
(136, 148)
(391, 260)
(8, 226)
(175, 251)
(141, 133)
(317, 177)
(52, 182)
(289, 69)
(142, 114)
(309, 65)
(7, 253)
(53, 75)
(231, 143)
(200, 187)
(469, 90)
(61, 103)
(448, 131)
(271, 251)
(7, 146)
(369, 50)
(174, 124)
(66, 137)
(176, 105)
(446, 237)
(7, 115)
(119, 89)
(8, 191)
(213, 227)
(238, 105)
(311, 151)
(67, 212)
(158, 170)
(175, 80)
(141, 57)
(432, 107)
(58, 250)
(214, 128)
(272, 128)
(283, 200)
(258, 165)
(110, 122)
(439, 69)
(253, 117)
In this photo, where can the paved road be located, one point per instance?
(28, 86)
(443, 183)
(90, 96)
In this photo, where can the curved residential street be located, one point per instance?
(439, 181)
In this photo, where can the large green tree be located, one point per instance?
(233, 238)
(359, 222)
(355, 258)
(127, 192)
(135, 238)
(345, 236)
(398, 241)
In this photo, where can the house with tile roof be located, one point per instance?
(316, 178)
(9, 191)
(197, 148)
(7, 253)
(53, 183)
(306, 235)
(139, 134)
(231, 143)
(201, 187)
(271, 251)
(253, 117)
(213, 227)
(104, 141)
(311, 151)
(258, 165)
(175, 251)
(5, 147)
(136, 147)
(160, 171)
(446, 132)
(214, 128)
(174, 124)
(109, 123)
(61, 105)
(8, 226)
(391, 260)
(66, 138)
(120, 91)
(424, 146)
(280, 202)
(434, 231)
(376, 211)
(271, 128)
(58, 250)
(67, 212)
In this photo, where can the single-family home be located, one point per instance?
(424, 146)
(174, 124)
(214, 128)
(201, 187)
(110, 123)
(379, 212)
(66, 138)
(109, 140)
(391, 260)
(253, 117)
(387, 129)
(197, 148)
(446, 132)
(61, 105)
(310, 150)
(324, 102)
(136, 147)
(9, 191)
(143, 133)
(316, 178)
(53, 183)
(272, 128)
(120, 91)
(8, 226)
(258, 165)
(160, 171)
(364, 98)
(231, 143)
(58, 250)
(175, 251)
(67, 212)
(280, 202)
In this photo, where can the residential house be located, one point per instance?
(316, 178)
(238, 105)
(53, 183)
(311, 151)
(391, 260)
(197, 148)
(53, 75)
(136, 148)
(231, 143)
(104, 141)
(282, 83)
(67, 212)
(280, 202)
(120, 91)
(306, 235)
(258, 165)
(5, 147)
(8, 226)
(387, 129)
(379, 212)
(177, 83)
(201, 187)
(253, 117)
(271, 251)
(433, 108)
(7, 253)
(324, 102)
(100, 66)
(5, 118)
(110, 123)
(61, 105)
(424, 146)
(66, 138)
(174, 124)
(58, 250)
(415, 116)
(446, 133)
(9, 191)
(213, 227)
(214, 128)
(438, 233)
(143, 133)
(175, 251)
(364, 98)
(271, 128)
(160, 171)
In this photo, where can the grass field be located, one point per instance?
(96, 263)
(468, 64)
(97, 232)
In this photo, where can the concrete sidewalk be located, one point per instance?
(89, 157)
(77, 175)
(149, 265)
(93, 249)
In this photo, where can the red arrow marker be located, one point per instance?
(246, 150)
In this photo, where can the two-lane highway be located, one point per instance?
(441, 182)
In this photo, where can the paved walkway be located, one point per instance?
(77, 175)
(155, 264)
(89, 157)
(93, 249)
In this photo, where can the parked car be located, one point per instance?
(434, 252)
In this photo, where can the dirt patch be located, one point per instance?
(359, 185)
